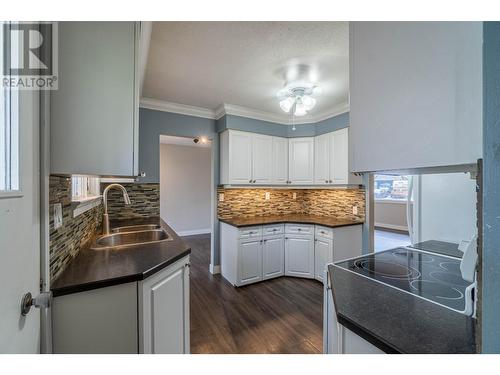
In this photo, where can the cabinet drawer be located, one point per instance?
(299, 229)
(268, 230)
(323, 232)
(251, 232)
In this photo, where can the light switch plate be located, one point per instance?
(58, 215)
(268, 196)
(294, 195)
(354, 210)
(221, 197)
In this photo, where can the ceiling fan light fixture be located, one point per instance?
(298, 97)
(287, 104)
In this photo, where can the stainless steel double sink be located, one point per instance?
(131, 236)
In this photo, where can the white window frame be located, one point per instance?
(85, 188)
(11, 165)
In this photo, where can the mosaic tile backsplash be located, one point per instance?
(66, 241)
(321, 202)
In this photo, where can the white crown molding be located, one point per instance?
(182, 109)
(236, 110)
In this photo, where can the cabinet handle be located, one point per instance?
(250, 181)
(187, 265)
(331, 181)
(326, 181)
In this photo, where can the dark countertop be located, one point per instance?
(440, 247)
(395, 321)
(296, 219)
(93, 269)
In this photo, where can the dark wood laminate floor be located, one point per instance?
(283, 315)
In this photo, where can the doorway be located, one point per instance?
(186, 184)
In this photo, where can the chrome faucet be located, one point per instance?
(105, 217)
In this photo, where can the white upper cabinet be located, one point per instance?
(280, 160)
(301, 160)
(262, 153)
(415, 94)
(94, 112)
(331, 159)
(322, 159)
(236, 157)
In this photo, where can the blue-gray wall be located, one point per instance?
(491, 189)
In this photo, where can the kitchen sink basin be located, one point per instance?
(124, 239)
(135, 228)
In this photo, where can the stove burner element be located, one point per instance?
(449, 278)
(413, 256)
(451, 267)
(387, 269)
(431, 289)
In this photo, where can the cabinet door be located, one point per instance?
(164, 311)
(262, 154)
(280, 160)
(301, 160)
(273, 257)
(94, 112)
(322, 159)
(299, 256)
(249, 261)
(339, 157)
(323, 254)
(240, 157)
(415, 94)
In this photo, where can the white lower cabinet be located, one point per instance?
(259, 253)
(273, 257)
(250, 261)
(164, 311)
(299, 251)
(150, 316)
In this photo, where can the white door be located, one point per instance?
(299, 256)
(301, 160)
(262, 153)
(164, 311)
(339, 157)
(280, 160)
(322, 159)
(20, 232)
(240, 157)
(323, 254)
(250, 261)
(273, 253)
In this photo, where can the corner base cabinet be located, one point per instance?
(150, 316)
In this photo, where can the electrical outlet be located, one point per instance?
(57, 215)
(354, 210)
(221, 197)
(268, 196)
(294, 196)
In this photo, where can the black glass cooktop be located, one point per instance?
(433, 277)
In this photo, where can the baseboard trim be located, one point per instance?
(399, 228)
(193, 232)
(214, 270)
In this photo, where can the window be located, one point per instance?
(389, 187)
(9, 128)
(84, 188)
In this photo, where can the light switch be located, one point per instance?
(58, 215)
(354, 210)
(294, 195)
(221, 197)
(268, 196)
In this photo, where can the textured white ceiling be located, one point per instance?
(205, 64)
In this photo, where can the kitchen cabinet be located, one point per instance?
(301, 161)
(299, 250)
(149, 316)
(246, 158)
(273, 256)
(94, 111)
(251, 254)
(323, 252)
(415, 94)
(164, 311)
(280, 161)
(331, 159)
